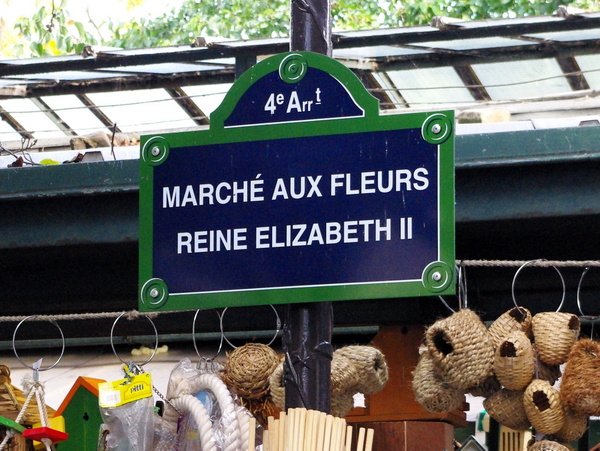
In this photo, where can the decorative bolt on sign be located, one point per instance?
(300, 191)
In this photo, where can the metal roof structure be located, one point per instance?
(533, 67)
(527, 188)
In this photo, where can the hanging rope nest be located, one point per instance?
(507, 408)
(580, 386)
(370, 365)
(354, 369)
(248, 368)
(430, 389)
(517, 318)
(461, 349)
(543, 407)
(555, 333)
(514, 364)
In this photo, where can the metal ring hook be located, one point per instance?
(462, 286)
(514, 298)
(194, 337)
(268, 344)
(38, 369)
(585, 271)
(462, 290)
(112, 342)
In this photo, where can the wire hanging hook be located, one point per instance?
(583, 315)
(538, 262)
(112, 341)
(37, 366)
(278, 323)
(205, 360)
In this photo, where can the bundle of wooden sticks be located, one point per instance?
(310, 430)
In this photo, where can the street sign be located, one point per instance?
(299, 191)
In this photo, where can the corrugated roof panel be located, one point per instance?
(522, 79)
(207, 97)
(430, 86)
(590, 66)
(75, 114)
(69, 76)
(476, 44)
(7, 133)
(136, 111)
(592, 34)
(376, 51)
(26, 113)
(164, 68)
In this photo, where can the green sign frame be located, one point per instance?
(275, 105)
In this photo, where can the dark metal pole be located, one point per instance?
(311, 26)
(308, 326)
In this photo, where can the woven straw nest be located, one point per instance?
(431, 391)
(555, 333)
(248, 368)
(580, 386)
(507, 408)
(354, 369)
(574, 427)
(461, 349)
(547, 445)
(543, 407)
(514, 364)
(517, 318)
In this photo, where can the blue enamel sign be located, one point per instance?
(299, 191)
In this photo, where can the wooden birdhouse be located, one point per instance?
(11, 402)
(82, 415)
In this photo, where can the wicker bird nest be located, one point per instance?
(461, 349)
(543, 407)
(514, 364)
(555, 333)
(517, 318)
(575, 425)
(580, 386)
(547, 445)
(506, 407)
(248, 368)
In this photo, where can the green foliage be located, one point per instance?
(50, 31)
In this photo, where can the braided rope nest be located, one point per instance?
(430, 389)
(248, 368)
(461, 349)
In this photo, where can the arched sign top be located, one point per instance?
(294, 87)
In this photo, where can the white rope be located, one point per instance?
(244, 422)
(192, 406)
(229, 418)
(540, 263)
